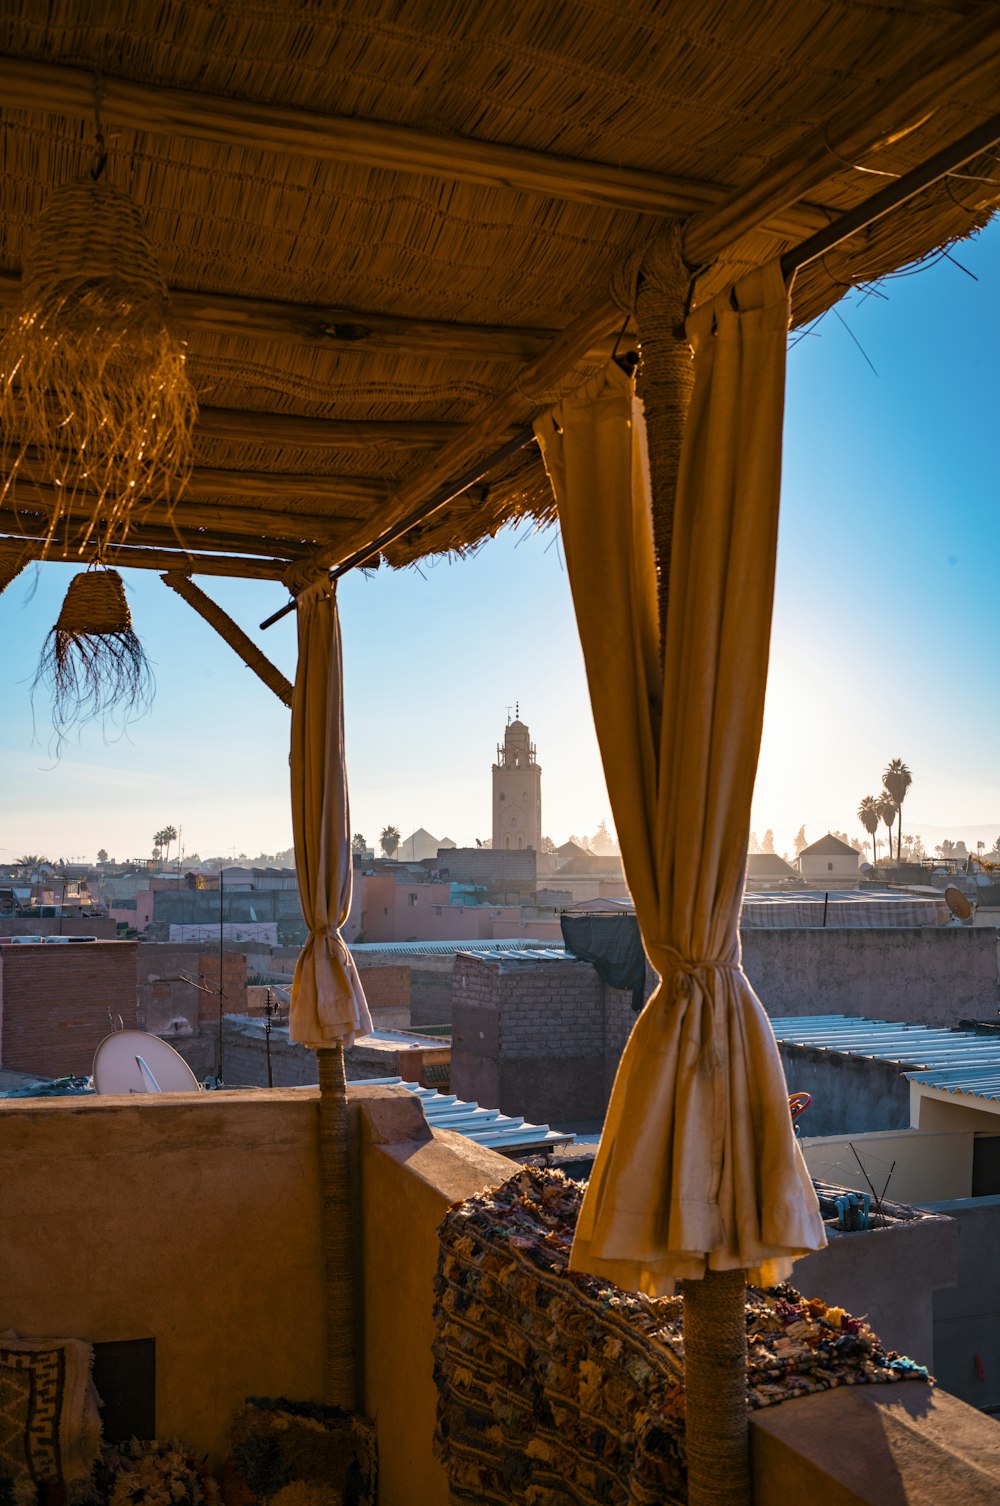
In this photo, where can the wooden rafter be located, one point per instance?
(352, 494)
(231, 633)
(68, 542)
(124, 558)
(310, 326)
(891, 109)
(270, 128)
(36, 505)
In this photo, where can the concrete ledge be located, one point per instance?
(894, 1445)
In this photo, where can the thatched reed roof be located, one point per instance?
(376, 219)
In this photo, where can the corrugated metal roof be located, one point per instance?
(534, 953)
(957, 1061)
(487, 1127)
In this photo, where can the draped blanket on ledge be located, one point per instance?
(547, 1376)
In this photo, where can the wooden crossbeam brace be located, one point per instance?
(185, 114)
(231, 632)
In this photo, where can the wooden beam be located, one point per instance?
(34, 502)
(231, 633)
(884, 113)
(246, 125)
(354, 494)
(285, 430)
(345, 330)
(69, 540)
(123, 558)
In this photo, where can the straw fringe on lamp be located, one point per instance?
(92, 380)
(92, 661)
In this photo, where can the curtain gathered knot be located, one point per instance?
(686, 970)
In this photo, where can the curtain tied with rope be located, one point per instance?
(698, 1168)
(328, 1002)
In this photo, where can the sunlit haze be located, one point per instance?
(885, 636)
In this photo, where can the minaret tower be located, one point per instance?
(517, 790)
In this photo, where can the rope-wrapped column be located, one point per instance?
(717, 1431)
(715, 1347)
(340, 1383)
(656, 286)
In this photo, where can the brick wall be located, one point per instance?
(234, 984)
(541, 1039)
(528, 1037)
(55, 1003)
(386, 987)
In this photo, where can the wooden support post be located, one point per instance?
(340, 1378)
(715, 1363)
(231, 632)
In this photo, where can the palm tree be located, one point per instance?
(888, 810)
(897, 780)
(389, 840)
(869, 815)
(29, 860)
(169, 834)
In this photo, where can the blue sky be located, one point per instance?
(885, 637)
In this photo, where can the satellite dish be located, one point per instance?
(958, 903)
(130, 1061)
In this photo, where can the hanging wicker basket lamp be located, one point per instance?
(92, 662)
(93, 385)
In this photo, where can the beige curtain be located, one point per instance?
(698, 1166)
(328, 1002)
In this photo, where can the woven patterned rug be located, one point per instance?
(49, 1424)
(556, 1388)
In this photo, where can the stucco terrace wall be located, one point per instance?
(192, 1219)
(903, 1445)
(850, 1094)
(928, 975)
(922, 1166)
(967, 1315)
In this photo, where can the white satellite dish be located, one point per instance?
(130, 1061)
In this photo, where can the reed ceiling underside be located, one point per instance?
(375, 219)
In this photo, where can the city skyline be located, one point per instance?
(883, 639)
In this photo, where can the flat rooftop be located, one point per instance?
(956, 1061)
